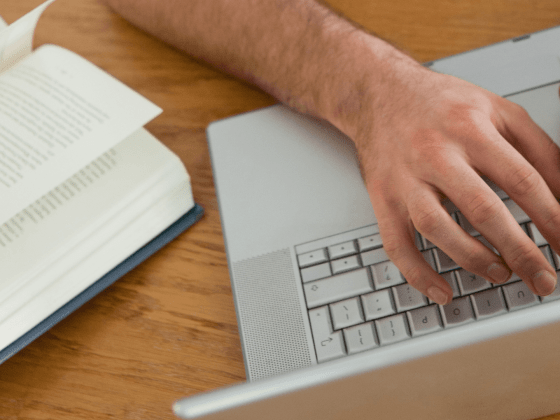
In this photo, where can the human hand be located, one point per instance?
(433, 136)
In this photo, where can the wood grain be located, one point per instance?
(168, 329)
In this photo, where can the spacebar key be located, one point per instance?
(342, 286)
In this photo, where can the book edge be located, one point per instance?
(135, 259)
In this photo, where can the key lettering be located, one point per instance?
(325, 342)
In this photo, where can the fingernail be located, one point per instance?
(544, 282)
(499, 273)
(437, 295)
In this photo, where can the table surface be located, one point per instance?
(168, 329)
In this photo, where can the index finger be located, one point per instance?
(533, 181)
(502, 163)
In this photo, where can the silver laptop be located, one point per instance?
(329, 328)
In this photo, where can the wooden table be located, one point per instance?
(168, 329)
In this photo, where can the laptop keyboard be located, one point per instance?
(357, 299)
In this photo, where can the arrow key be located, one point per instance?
(329, 348)
(328, 344)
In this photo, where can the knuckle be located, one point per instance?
(429, 147)
(393, 245)
(519, 112)
(483, 208)
(524, 181)
(467, 122)
(426, 221)
(414, 277)
(511, 111)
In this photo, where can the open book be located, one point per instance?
(85, 192)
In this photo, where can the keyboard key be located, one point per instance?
(418, 241)
(487, 244)
(556, 260)
(378, 304)
(547, 254)
(386, 274)
(359, 300)
(346, 313)
(370, 242)
(316, 272)
(360, 337)
(392, 329)
(426, 244)
(320, 320)
(449, 206)
(339, 287)
(536, 235)
(489, 303)
(443, 262)
(457, 312)
(499, 192)
(517, 212)
(374, 257)
(554, 295)
(407, 297)
(429, 257)
(311, 258)
(470, 283)
(424, 320)
(345, 264)
(328, 343)
(343, 250)
(466, 225)
(451, 279)
(518, 295)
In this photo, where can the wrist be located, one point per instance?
(360, 82)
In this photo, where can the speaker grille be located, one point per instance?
(270, 316)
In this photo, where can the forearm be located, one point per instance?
(420, 135)
(297, 50)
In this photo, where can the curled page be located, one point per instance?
(58, 112)
(16, 40)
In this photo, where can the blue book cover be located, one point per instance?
(182, 224)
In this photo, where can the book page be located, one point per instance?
(16, 40)
(25, 222)
(58, 112)
(55, 287)
(69, 214)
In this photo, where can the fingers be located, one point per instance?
(534, 191)
(436, 225)
(508, 148)
(398, 242)
(489, 215)
(533, 143)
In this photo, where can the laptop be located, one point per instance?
(328, 329)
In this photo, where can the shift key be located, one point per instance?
(339, 287)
